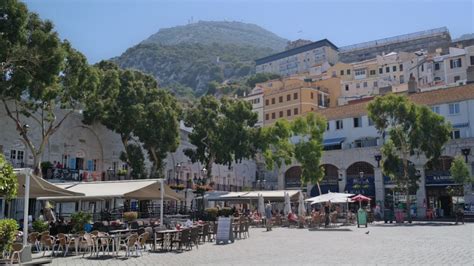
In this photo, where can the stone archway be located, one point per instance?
(360, 179)
(293, 177)
(330, 181)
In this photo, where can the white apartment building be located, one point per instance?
(353, 145)
(255, 97)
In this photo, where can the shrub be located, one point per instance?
(40, 226)
(226, 211)
(79, 220)
(211, 213)
(8, 228)
(130, 216)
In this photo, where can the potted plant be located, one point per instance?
(40, 226)
(211, 213)
(8, 228)
(129, 217)
(79, 221)
(226, 212)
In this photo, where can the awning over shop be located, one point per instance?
(132, 189)
(334, 141)
(40, 187)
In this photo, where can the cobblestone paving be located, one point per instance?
(416, 244)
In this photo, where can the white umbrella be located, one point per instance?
(329, 197)
(301, 208)
(261, 205)
(287, 209)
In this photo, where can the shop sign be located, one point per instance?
(439, 179)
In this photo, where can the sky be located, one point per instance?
(102, 29)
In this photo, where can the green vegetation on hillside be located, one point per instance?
(222, 32)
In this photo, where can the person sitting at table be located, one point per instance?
(292, 218)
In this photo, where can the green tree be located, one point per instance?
(40, 76)
(119, 101)
(222, 133)
(8, 179)
(309, 148)
(413, 130)
(460, 173)
(158, 128)
(133, 153)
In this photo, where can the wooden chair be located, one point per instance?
(129, 244)
(142, 241)
(17, 248)
(33, 240)
(87, 243)
(47, 242)
(195, 235)
(182, 240)
(204, 233)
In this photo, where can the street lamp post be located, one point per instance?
(378, 157)
(466, 152)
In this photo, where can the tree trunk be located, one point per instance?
(407, 184)
(319, 188)
(155, 165)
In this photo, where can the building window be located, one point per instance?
(342, 72)
(312, 95)
(348, 72)
(376, 84)
(372, 72)
(380, 70)
(455, 63)
(295, 96)
(422, 67)
(357, 122)
(267, 102)
(359, 72)
(387, 69)
(347, 87)
(394, 68)
(273, 100)
(457, 78)
(281, 114)
(453, 108)
(472, 60)
(357, 85)
(455, 134)
(401, 67)
(288, 112)
(402, 79)
(267, 117)
(371, 122)
(273, 115)
(327, 127)
(365, 84)
(339, 124)
(295, 111)
(280, 99)
(435, 109)
(436, 66)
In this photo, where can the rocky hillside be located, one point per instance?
(189, 57)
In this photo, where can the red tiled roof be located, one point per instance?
(434, 97)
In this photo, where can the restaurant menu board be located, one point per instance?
(224, 230)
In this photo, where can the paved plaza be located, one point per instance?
(416, 244)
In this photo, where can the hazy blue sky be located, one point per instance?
(105, 28)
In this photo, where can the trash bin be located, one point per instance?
(388, 215)
(361, 218)
(399, 216)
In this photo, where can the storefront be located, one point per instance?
(441, 195)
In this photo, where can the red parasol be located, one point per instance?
(360, 198)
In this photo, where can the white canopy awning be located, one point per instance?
(40, 187)
(133, 189)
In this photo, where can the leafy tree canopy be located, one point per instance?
(8, 179)
(222, 133)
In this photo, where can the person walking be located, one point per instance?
(268, 216)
